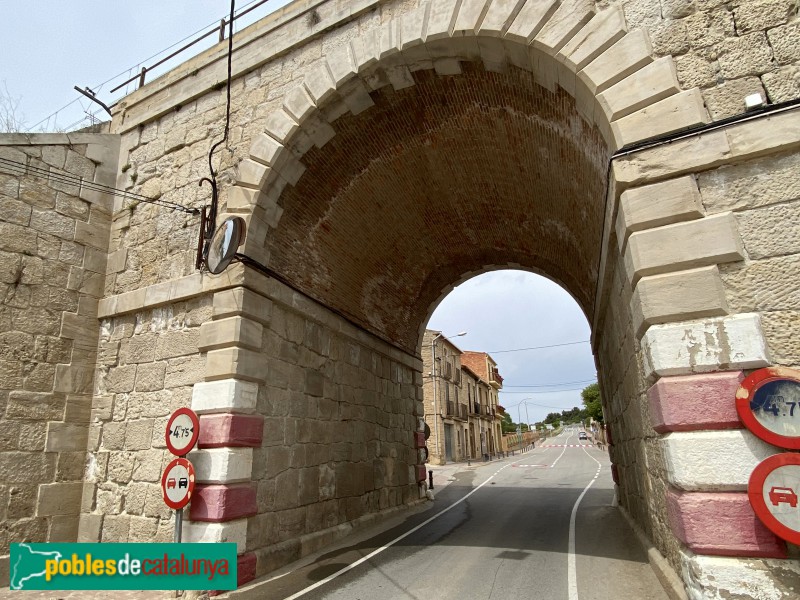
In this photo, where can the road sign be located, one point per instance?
(183, 429)
(774, 492)
(768, 403)
(177, 483)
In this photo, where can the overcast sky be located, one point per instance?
(51, 45)
(509, 310)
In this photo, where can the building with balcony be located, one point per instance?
(461, 403)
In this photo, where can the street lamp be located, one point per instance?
(519, 416)
(433, 376)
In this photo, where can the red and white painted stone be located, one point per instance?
(693, 402)
(233, 430)
(216, 503)
(721, 524)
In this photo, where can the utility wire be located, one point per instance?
(539, 347)
(99, 86)
(542, 392)
(551, 384)
(17, 168)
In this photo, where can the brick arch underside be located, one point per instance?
(453, 175)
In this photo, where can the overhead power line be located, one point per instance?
(539, 347)
(99, 86)
(538, 385)
(17, 168)
(542, 391)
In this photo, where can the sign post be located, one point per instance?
(177, 482)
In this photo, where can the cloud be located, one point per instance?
(510, 309)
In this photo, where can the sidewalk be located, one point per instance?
(443, 475)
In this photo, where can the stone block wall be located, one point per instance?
(148, 362)
(727, 49)
(715, 302)
(53, 243)
(307, 423)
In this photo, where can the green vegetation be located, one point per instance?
(593, 409)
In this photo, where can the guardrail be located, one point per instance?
(220, 30)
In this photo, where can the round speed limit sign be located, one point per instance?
(768, 403)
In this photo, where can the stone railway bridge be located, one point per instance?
(381, 152)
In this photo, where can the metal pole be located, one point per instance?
(178, 526)
(430, 480)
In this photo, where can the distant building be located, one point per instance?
(461, 403)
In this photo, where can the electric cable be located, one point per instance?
(99, 86)
(539, 347)
(17, 168)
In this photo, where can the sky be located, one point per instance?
(51, 45)
(509, 310)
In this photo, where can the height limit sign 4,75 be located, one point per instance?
(183, 429)
(768, 403)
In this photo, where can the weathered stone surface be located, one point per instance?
(210, 533)
(648, 85)
(721, 524)
(233, 331)
(751, 184)
(228, 395)
(738, 579)
(222, 465)
(735, 342)
(655, 205)
(675, 113)
(59, 499)
(66, 437)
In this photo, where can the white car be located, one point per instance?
(582, 435)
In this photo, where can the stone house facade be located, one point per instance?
(461, 407)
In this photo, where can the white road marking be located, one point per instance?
(562, 452)
(390, 544)
(572, 570)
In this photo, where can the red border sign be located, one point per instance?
(745, 395)
(755, 491)
(170, 481)
(195, 432)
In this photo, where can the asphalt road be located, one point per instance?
(538, 525)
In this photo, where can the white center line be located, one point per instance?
(562, 452)
(390, 544)
(572, 570)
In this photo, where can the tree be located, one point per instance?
(507, 425)
(592, 401)
(11, 119)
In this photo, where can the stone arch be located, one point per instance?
(609, 74)
(617, 93)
